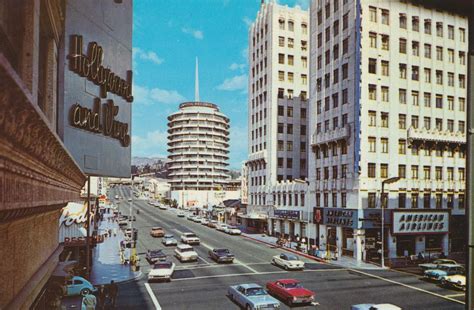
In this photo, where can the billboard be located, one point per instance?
(420, 222)
(95, 120)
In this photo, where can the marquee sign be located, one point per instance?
(287, 214)
(420, 222)
(336, 217)
(73, 213)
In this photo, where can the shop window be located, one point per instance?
(371, 200)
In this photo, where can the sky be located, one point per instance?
(167, 37)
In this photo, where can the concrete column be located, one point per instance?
(445, 244)
(392, 246)
(419, 244)
(339, 238)
(358, 246)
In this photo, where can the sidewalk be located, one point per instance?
(106, 263)
(343, 261)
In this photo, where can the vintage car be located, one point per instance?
(154, 256)
(180, 214)
(252, 296)
(288, 261)
(221, 255)
(169, 240)
(190, 217)
(375, 307)
(185, 253)
(232, 230)
(212, 224)
(204, 222)
(197, 219)
(157, 232)
(162, 207)
(79, 286)
(221, 226)
(443, 271)
(435, 264)
(290, 291)
(456, 281)
(161, 271)
(190, 238)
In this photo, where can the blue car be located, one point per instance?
(79, 286)
(443, 270)
(252, 296)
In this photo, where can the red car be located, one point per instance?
(290, 291)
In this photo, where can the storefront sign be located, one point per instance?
(73, 213)
(336, 217)
(287, 214)
(420, 222)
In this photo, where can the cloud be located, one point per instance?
(304, 4)
(247, 21)
(236, 66)
(153, 143)
(197, 34)
(238, 82)
(238, 145)
(138, 53)
(145, 95)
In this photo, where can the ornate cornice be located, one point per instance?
(35, 167)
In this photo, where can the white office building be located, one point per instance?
(388, 99)
(277, 105)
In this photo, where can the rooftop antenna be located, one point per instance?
(196, 82)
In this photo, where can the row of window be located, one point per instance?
(335, 52)
(334, 147)
(335, 30)
(289, 111)
(291, 43)
(289, 129)
(289, 162)
(334, 200)
(290, 77)
(327, 9)
(259, 147)
(291, 25)
(257, 133)
(259, 66)
(335, 101)
(415, 119)
(259, 115)
(281, 199)
(259, 99)
(335, 124)
(402, 96)
(335, 172)
(402, 172)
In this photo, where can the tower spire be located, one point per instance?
(196, 82)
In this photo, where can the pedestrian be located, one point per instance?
(336, 253)
(101, 295)
(89, 302)
(113, 292)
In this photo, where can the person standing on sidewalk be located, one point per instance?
(113, 292)
(101, 296)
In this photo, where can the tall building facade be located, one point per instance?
(277, 105)
(388, 99)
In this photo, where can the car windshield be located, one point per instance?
(291, 285)
(166, 265)
(222, 251)
(168, 236)
(292, 257)
(155, 252)
(157, 228)
(186, 250)
(231, 227)
(256, 291)
(191, 235)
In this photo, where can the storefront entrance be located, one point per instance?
(348, 242)
(332, 238)
(433, 244)
(406, 246)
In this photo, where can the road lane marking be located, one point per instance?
(406, 285)
(178, 231)
(455, 295)
(152, 296)
(252, 274)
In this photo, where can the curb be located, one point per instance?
(138, 276)
(288, 249)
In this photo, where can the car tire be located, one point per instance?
(444, 282)
(273, 262)
(286, 267)
(231, 297)
(289, 301)
(85, 291)
(248, 307)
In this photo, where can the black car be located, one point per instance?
(221, 255)
(155, 256)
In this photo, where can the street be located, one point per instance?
(203, 284)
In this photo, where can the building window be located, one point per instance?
(385, 68)
(385, 42)
(371, 200)
(402, 121)
(280, 145)
(415, 48)
(291, 26)
(384, 143)
(451, 55)
(372, 118)
(414, 172)
(414, 121)
(427, 123)
(345, 46)
(281, 22)
(402, 95)
(402, 19)
(281, 41)
(461, 126)
(372, 92)
(280, 128)
(450, 32)
(289, 146)
(414, 200)
(373, 14)
(427, 26)
(372, 65)
(450, 174)
(415, 73)
(402, 147)
(291, 42)
(462, 81)
(461, 201)
(345, 71)
(450, 79)
(290, 60)
(403, 46)
(384, 171)
(372, 144)
(439, 201)
(281, 58)
(289, 112)
(281, 76)
(428, 51)
(450, 103)
(426, 200)
(403, 71)
(281, 110)
(304, 62)
(345, 21)
(384, 119)
(290, 77)
(439, 101)
(439, 77)
(415, 23)
(373, 39)
(439, 53)
(439, 29)
(402, 199)
(415, 98)
(427, 75)
(385, 17)
(462, 104)
(427, 99)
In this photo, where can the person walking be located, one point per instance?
(113, 292)
(89, 302)
(101, 296)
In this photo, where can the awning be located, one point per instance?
(254, 216)
(64, 269)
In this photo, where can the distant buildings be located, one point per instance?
(277, 105)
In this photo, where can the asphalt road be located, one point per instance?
(203, 284)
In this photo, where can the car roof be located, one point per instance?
(184, 246)
(250, 285)
(168, 236)
(287, 281)
(451, 265)
(188, 233)
(157, 227)
(221, 249)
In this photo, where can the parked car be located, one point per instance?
(375, 307)
(288, 261)
(116, 196)
(129, 199)
(190, 238)
(79, 286)
(456, 281)
(204, 222)
(212, 224)
(252, 296)
(157, 232)
(163, 207)
(123, 222)
(221, 255)
(197, 219)
(129, 232)
(161, 271)
(443, 271)
(232, 230)
(169, 240)
(221, 226)
(180, 214)
(290, 291)
(436, 263)
(185, 253)
(155, 256)
(190, 217)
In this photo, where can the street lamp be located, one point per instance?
(382, 205)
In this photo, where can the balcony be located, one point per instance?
(337, 134)
(260, 155)
(434, 135)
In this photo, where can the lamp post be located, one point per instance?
(382, 205)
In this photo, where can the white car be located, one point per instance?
(163, 207)
(169, 240)
(232, 230)
(129, 199)
(190, 217)
(221, 227)
(185, 253)
(375, 307)
(197, 219)
(288, 261)
(161, 271)
(204, 222)
(190, 238)
(180, 214)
